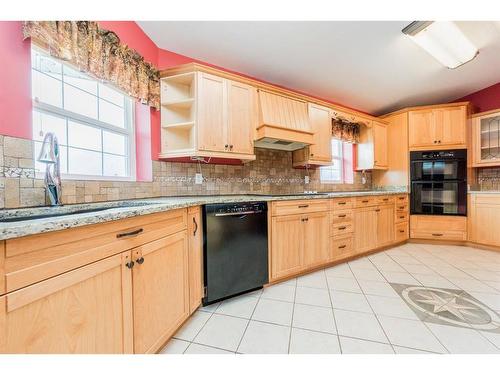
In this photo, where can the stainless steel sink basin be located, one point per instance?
(48, 212)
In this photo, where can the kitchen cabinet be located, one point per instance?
(316, 239)
(287, 245)
(372, 146)
(87, 310)
(486, 139)
(319, 153)
(385, 225)
(436, 227)
(365, 229)
(484, 216)
(160, 291)
(437, 128)
(211, 117)
(195, 258)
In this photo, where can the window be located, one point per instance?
(340, 171)
(92, 120)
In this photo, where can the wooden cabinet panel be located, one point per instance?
(486, 139)
(299, 206)
(287, 243)
(342, 248)
(365, 229)
(341, 203)
(321, 123)
(195, 258)
(401, 216)
(316, 239)
(380, 145)
(283, 112)
(341, 216)
(212, 113)
(438, 227)
(421, 131)
(450, 126)
(366, 201)
(241, 117)
(484, 218)
(160, 291)
(401, 232)
(341, 229)
(87, 310)
(2, 267)
(385, 225)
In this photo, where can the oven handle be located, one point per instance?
(238, 213)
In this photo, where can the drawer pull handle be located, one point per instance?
(401, 231)
(195, 227)
(385, 199)
(401, 217)
(127, 234)
(342, 228)
(365, 201)
(303, 205)
(342, 246)
(130, 264)
(401, 207)
(377, 210)
(437, 234)
(341, 203)
(140, 260)
(342, 215)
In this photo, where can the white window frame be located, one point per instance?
(340, 158)
(128, 130)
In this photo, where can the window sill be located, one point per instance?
(84, 177)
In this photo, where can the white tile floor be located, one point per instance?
(353, 308)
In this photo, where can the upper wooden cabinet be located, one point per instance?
(319, 153)
(437, 128)
(486, 139)
(207, 116)
(372, 146)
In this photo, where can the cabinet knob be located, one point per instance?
(130, 264)
(140, 260)
(226, 146)
(230, 147)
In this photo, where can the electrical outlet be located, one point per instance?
(306, 179)
(198, 178)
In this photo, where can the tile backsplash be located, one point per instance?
(488, 179)
(270, 173)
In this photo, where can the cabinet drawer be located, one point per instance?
(402, 206)
(438, 227)
(401, 230)
(366, 201)
(34, 258)
(341, 217)
(385, 200)
(401, 216)
(403, 198)
(341, 203)
(342, 247)
(341, 229)
(299, 206)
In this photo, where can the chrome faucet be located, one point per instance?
(49, 154)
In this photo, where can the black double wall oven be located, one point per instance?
(438, 182)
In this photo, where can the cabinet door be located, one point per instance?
(321, 122)
(484, 218)
(421, 128)
(450, 126)
(486, 140)
(316, 239)
(380, 144)
(195, 258)
(385, 225)
(365, 229)
(241, 117)
(88, 310)
(287, 245)
(211, 118)
(160, 290)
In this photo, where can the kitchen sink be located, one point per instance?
(48, 212)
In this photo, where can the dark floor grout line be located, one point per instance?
(249, 320)
(293, 312)
(333, 313)
(208, 346)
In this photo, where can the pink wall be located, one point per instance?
(15, 81)
(485, 99)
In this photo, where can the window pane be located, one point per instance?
(85, 162)
(112, 114)
(63, 157)
(114, 143)
(46, 89)
(44, 123)
(115, 165)
(111, 95)
(84, 136)
(80, 80)
(79, 101)
(46, 65)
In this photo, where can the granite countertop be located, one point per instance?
(114, 210)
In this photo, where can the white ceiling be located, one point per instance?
(368, 65)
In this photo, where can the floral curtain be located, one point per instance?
(98, 52)
(345, 130)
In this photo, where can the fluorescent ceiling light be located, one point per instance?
(443, 40)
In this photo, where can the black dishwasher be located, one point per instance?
(234, 249)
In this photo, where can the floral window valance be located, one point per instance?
(98, 52)
(345, 131)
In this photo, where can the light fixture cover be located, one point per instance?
(443, 40)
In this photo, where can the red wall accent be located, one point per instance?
(15, 81)
(485, 99)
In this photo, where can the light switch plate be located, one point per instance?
(198, 178)
(306, 179)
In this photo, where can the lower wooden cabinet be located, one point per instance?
(435, 227)
(195, 258)
(160, 290)
(299, 242)
(385, 225)
(87, 310)
(373, 227)
(484, 219)
(342, 247)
